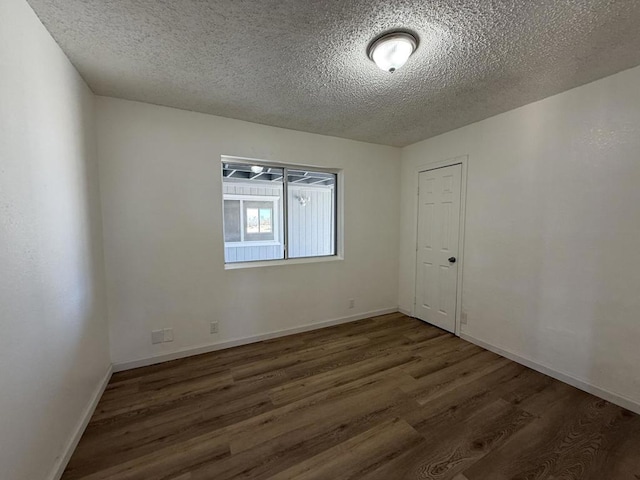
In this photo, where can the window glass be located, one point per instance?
(311, 216)
(252, 221)
(232, 221)
(266, 225)
(258, 217)
(259, 202)
(253, 212)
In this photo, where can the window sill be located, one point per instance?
(254, 243)
(289, 261)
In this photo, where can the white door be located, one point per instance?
(437, 246)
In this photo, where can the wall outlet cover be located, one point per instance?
(214, 327)
(157, 336)
(168, 334)
(352, 303)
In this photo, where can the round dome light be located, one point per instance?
(391, 51)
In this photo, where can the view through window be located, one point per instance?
(275, 213)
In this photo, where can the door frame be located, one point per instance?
(463, 161)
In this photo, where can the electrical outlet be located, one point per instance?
(463, 318)
(157, 336)
(352, 303)
(168, 334)
(214, 327)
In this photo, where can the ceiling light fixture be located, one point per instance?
(392, 50)
(257, 169)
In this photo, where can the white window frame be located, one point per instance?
(338, 226)
(276, 219)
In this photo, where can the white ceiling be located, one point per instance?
(303, 65)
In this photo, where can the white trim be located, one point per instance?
(461, 160)
(187, 352)
(285, 261)
(253, 243)
(63, 460)
(405, 312)
(618, 399)
(338, 222)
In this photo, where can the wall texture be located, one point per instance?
(552, 231)
(161, 196)
(54, 343)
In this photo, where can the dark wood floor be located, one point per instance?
(384, 398)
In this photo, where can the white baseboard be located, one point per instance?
(619, 400)
(187, 352)
(63, 460)
(408, 313)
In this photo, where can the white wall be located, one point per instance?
(161, 196)
(54, 343)
(552, 257)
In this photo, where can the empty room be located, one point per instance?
(320, 240)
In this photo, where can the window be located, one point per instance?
(274, 212)
(248, 220)
(258, 220)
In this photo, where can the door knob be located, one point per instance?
(452, 259)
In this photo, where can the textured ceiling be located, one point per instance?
(302, 64)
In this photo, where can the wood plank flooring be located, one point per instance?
(383, 398)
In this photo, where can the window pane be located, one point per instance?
(311, 205)
(265, 220)
(232, 220)
(253, 212)
(258, 227)
(252, 221)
